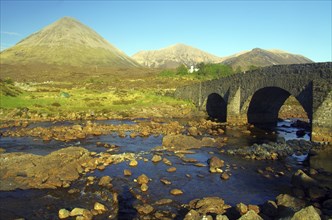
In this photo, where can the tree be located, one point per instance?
(182, 70)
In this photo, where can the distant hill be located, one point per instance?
(258, 58)
(66, 42)
(173, 56)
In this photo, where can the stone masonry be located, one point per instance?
(256, 96)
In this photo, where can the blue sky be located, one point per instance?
(218, 27)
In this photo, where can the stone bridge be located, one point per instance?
(256, 96)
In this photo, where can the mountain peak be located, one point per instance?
(67, 42)
(173, 56)
(259, 57)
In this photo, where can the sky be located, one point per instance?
(219, 27)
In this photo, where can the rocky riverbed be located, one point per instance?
(158, 169)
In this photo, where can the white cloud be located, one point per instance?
(10, 33)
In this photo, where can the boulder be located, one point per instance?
(181, 142)
(105, 181)
(241, 208)
(133, 163)
(270, 208)
(156, 158)
(224, 176)
(214, 205)
(192, 215)
(144, 209)
(99, 207)
(301, 180)
(142, 179)
(250, 215)
(63, 213)
(144, 187)
(215, 164)
(56, 169)
(308, 213)
(176, 192)
(127, 172)
(288, 205)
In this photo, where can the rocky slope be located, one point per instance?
(258, 57)
(66, 42)
(173, 56)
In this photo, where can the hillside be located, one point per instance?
(173, 56)
(66, 42)
(258, 58)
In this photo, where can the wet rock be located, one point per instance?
(250, 215)
(99, 207)
(224, 176)
(165, 181)
(144, 209)
(287, 204)
(222, 217)
(215, 164)
(192, 215)
(270, 208)
(207, 141)
(214, 205)
(308, 213)
(56, 169)
(142, 179)
(327, 204)
(316, 193)
(63, 213)
(299, 193)
(182, 142)
(189, 160)
(171, 169)
(255, 208)
(167, 162)
(127, 172)
(200, 165)
(156, 158)
(144, 187)
(133, 163)
(77, 211)
(193, 131)
(241, 208)
(105, 181)
(163, 202)
(301, 180)
(133, 134)
(176, 192)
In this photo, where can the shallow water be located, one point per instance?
(245, 184)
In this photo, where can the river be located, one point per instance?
(245, 185)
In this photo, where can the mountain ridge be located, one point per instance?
(244, 59)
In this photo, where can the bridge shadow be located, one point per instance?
(216, 107)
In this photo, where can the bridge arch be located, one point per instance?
(216, 107)
(265, 104)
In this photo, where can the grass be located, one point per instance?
(98, 97)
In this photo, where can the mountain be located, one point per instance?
(173, 56)
(258, 57)
(66, 42)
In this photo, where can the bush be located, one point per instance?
(8, 80)
(56, 104)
